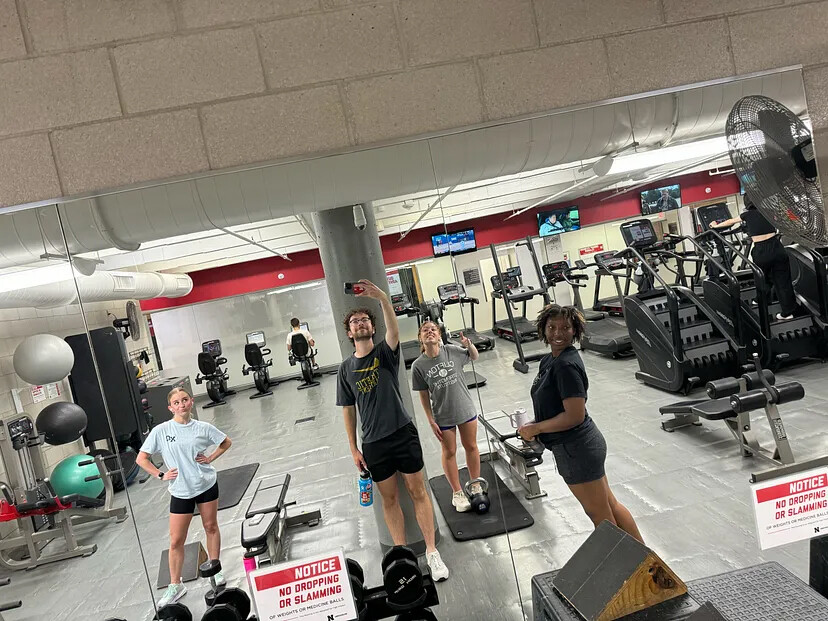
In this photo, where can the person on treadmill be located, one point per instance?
(562, 423)
(192, 480)
(438, 376)
(769, 254)
(296, 328)
(369, 380)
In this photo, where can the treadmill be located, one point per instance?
(609, 266)
(455, 293)
(404, 308)
(604, 334)
(511, 290)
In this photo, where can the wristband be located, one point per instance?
(160, 476)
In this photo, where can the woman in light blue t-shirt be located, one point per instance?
(193, 482)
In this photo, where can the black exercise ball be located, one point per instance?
(61, 422)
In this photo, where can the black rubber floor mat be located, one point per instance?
(233, 483)
(469, 525)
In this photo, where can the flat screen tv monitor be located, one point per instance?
(459, 242)
(556, 221)
(656, 200)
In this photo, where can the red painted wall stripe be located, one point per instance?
(262, 274)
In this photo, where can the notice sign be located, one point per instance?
(38, 394)
(591, 249)
(313, 588)
(791, 508)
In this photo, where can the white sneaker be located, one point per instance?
(219, 579)
(173, 593)
(460, 501)
(476, 488)
(782, 317)
(439, 571)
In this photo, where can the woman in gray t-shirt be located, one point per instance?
(438, 377)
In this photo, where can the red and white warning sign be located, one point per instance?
(791, 508)
(313, 588)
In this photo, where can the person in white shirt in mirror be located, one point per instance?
(295, 325)
(193, 481)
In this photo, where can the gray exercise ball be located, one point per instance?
(61, 422)
(43, 359)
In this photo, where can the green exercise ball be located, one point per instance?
(68, 477)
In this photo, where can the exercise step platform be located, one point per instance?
(758, 593)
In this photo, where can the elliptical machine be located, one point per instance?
(301, 352)
(254, 353)
(209, 364)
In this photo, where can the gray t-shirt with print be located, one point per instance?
(443, 377)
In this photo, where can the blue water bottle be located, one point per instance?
(366, 489)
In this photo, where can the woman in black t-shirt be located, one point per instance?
(562, 424)
(769, 254)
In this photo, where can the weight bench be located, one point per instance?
(522, 457)
(266, 520)
(732, 400)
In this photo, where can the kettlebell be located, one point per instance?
(479, 501)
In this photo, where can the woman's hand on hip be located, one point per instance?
(202, 459)
(171, 474)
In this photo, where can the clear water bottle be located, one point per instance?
(366, 489)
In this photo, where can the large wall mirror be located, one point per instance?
(195, 321)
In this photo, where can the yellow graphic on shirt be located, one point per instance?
(374, 366)
(370, 381)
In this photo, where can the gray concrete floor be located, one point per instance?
(688, 491)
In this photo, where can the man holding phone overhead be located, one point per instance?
(369, 380)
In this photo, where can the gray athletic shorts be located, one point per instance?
(582, 459)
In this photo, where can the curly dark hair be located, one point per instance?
(570, 313)
(359, 311)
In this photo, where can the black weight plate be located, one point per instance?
(175, 612)
(209, 568)
(355, 569)
(403, 582)
(222, 612)
(236, 598)
(398, 553)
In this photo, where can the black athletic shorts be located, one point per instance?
(399, 452)
(581, 460)
(188, 505)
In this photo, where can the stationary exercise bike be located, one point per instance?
(254, 353)
(301, 352)
(209, 363)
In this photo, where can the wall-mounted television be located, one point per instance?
(459, 242)
(665, 198)
(556, 221)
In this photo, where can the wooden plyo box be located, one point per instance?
(613, 574)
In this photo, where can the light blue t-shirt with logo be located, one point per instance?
(179, 446)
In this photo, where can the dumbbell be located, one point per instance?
(479, 501)
(402, 579)
(174, 612)
(357, 576)
(224, 603)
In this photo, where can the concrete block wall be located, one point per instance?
(109, 93)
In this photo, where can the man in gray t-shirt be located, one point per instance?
(369, 380)
(438, 377)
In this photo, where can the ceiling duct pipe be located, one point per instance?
(99, 287)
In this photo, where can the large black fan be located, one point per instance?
(771, 150)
